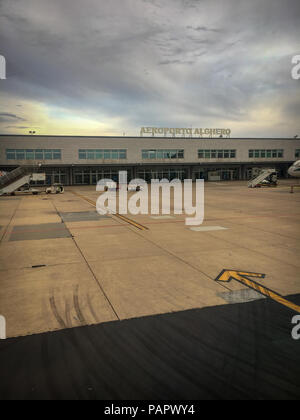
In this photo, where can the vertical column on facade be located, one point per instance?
(188, 170)
(244, 172)
(192, 177)
(71, 176)
(241, 172)
(134, 172)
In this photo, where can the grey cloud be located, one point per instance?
(156, 61)
(18, 127)
(7, 117)
(203, 29)
(166, 62)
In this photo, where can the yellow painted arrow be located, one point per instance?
(243, 277)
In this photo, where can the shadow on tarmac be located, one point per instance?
(241, 351)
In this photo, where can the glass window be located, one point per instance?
(115, 154)
(257, 153)
(233, 154)
(200, 154)
(82, 154)
(151, 154)
(99, 154)
(262, 153)
(226, 154)
(48, 155)
(269, 153)
(297, 153)
(220, 154)
(20, 154)
(57, 154)
(123, 154)
(29, 155)
(161, 154)
(280, 153)
(39, 154)
(251, 153)
(107, 154)
(10, 154)
(213, 154)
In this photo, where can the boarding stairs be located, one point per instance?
(259, 179)
(19, 177)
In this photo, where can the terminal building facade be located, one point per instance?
(77, 160)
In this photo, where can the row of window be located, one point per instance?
(107, 154)
(216, 154)
(270, 153)
(163, 154)
(121, 154)
(33, 154)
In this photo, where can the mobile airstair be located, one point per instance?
(266, 177)
(19, 177)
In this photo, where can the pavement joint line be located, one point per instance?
(251, 250)
(267, 231)
(261, 230)
(178, 258)
(90, 269)
(12, 217)
(173, 255)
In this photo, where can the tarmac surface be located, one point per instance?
(99, 307)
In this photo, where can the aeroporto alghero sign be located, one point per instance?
(186, 132)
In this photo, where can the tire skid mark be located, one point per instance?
(56, 314)
(68, 314)
(77, 307)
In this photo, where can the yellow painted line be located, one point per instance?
(243, 277)
(131, 222)
(125, 219)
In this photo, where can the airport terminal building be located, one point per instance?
(78, 160)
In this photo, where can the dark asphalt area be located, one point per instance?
(240, 351)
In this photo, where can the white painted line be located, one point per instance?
(208, 228)
(161, 217)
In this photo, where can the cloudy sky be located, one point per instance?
(99, 67)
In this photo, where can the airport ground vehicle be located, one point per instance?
(20, 180)
(55, 189)
(266, 177)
